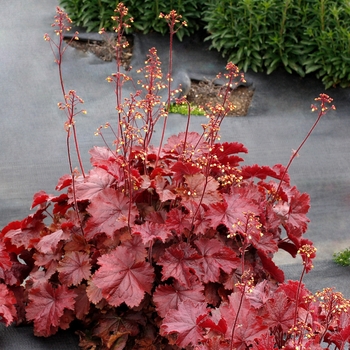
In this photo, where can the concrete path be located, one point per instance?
(32, 140)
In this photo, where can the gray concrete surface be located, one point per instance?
(32, 140)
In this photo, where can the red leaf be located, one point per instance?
(73, 268)
(271, 267)
(82, 303)
(93, 292)
(215, 256)
(265, 342)
(224, 153)
(46, 307)
(342, 336)
(114, 330)
(122, 279)
(169, 297)
(61, 204)
(27, 232)
(99, 155)
(201, 189)
(88, 187)
(266, 243)
(5, 262)
(63, 182)
(292, 289)
(288, 247)
(280, 312)
(164, 190)
(298, 207)
(48, 244)
(38, 277)
(178, 221)
(201, 222)
(103, 158)
(220, 327)
(136, 247)
(67, 317)
(262, 292)
(109, 212)
(293, 213)
(150, 231)
(180, 169)
(232, 210)
(251, 324)
(262, 172)
(194, 142)
(8, 301)
(177, 262)
(39, 198)
(184, 322)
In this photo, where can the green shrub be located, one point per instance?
(183, 109)
(329, 35)
(95, 14)
(302, 35)
(343, 257)
(256, 34)
(90, 14)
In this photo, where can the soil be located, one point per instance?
(201, 92)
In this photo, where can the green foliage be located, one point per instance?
(146, 15)
(90, 14)
(255, 34)
(302, 35)
(343, 257)
(330, 36)
(183, 109)
(95, 14)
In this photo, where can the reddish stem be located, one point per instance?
(324, 100)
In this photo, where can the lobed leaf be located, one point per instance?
(110, 211)
(150, 231)
(232, 210)
(168, 297)
(48, 243)
(8, 301)
(184, 322)
(178, 261)
(214, 256)
(73, 268)
(97, 180)
(46, 307)
(123, 279)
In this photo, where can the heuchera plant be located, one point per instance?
(167, 247)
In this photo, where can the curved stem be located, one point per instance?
(297, 299)
(323, 110)
(236, 319)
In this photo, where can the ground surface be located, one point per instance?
(201, 92)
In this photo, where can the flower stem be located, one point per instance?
(325, 99)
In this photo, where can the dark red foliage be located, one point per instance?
(193, 256)
(123, 279)
(169, 247)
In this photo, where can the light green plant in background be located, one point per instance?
(342, 257)
(183, 109)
